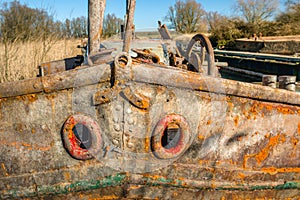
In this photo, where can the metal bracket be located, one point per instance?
(102, 97)
(137, 99)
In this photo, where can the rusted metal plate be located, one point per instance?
(137, 129)
(60, 65)
(243, 139)
(59, 81)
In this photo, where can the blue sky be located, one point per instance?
(148, 12)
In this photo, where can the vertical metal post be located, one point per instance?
(287, 82)
(129, 24)
(269, 80)
(95, 24)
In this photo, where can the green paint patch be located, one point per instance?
(261, 187)
(163, 181)
(122, 179)
(288, 185)
(109, 181)
(181, 184)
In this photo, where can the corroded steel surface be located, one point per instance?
(243, 139)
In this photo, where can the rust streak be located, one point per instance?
(274, 170)
(236, 120)
(147, 144)
(4, 169)
(285, 110)
(29, 147)
(264, 153)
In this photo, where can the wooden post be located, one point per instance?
(129, 25)
(95, 24)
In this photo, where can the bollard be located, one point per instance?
(287, 82)
(269, 80)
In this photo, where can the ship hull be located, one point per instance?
(236, 140)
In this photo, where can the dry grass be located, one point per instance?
(20, 60)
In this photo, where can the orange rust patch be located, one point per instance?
(51, 96)
(263, 155)
(67, 175)
(241, 176)
(254, 109)
(104, 197)
(21, 98)
(295, 141)
(4, 169)
(153, 176)
(257, 107)
(269, 107)
(285, 110)
(147, 144)
(208, 122)
(32, 98)
(230, 106)
(274, 170)
(299, 128)
(201, 137)
(29, 147)
(236, 120)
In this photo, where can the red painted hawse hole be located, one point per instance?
(170, 137)
(81, 137)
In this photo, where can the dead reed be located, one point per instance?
(20, 60)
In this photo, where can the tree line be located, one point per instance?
(250, 18)
(18, 22)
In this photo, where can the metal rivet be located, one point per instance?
(115, 142)
(44, 127)
(130, 145)
(129, 111)
(116, 119)
(130, 121)
(35, 86)
(118, 107)
(117, 127)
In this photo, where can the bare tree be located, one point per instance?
(111, 25)
(223, 30)
(19, 22)
(79, 27)
(291, 3)
(186, 16)
(256, 11)
(288, 21)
